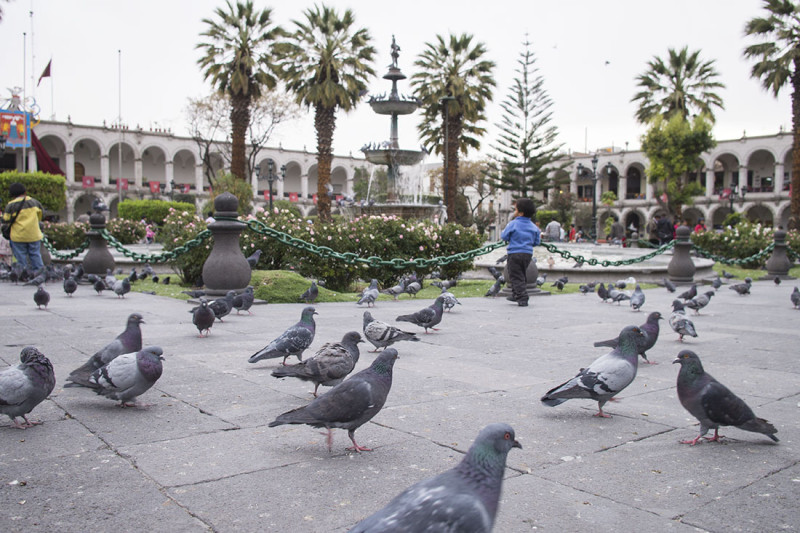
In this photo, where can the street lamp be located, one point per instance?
(582, 171)
(735, 194)
(271, 177)
(171, 189)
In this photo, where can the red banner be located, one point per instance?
(314, 198)
(186, 188)
(87, 181)
(155, 187)
(293, 197)
(266, 195)
(123, 184)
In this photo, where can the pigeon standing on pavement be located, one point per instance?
(350, 404)
(70, 285)
(742, 288)
(222, 306)
(606, 377)
(428, 317)
(712, 403)
(382, 335)
(678, 321)
(650, 329)
(795, 298)
(450, 300)
(716, 283)
(100, 286)
(244, 300)
(669, 285)
(293, 341)
(129, 341)
(311, 294)
(370, 294)
(122, 287)
(497, 287)
(688, 294)
(329, 366)
(637, 298)
(25, 386)
(602, 292)
(41, 297)
(203, 317)
(129, 375)
(464, 498)
(397, 290)
(699, 301)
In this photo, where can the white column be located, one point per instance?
(622, 188)
(777, 180)
(169, 175)
(33, 165)
(254, 184)
(742, 178)
(70, 170)
(304, 186)
(104, 169)
(650, 190)
(710, 182)
(198, 178)
(279, 191)
(137, 172)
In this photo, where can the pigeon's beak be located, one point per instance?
(516, 444)
(677, 360)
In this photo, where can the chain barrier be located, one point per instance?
(64, 255)
(794, 256)
(727, 261)
(606, 263)
(163, 257)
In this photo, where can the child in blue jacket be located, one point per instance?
(522, 235)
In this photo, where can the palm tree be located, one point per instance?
(237, 61)
(777, 64)
(454, 83)
(683, 84)
(326, 64)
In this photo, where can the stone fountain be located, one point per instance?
(389, 153)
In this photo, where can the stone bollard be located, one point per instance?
(226, 268)
(778, 263)
(98, 259)
(681, 267)
(532, 272)
(634, 240)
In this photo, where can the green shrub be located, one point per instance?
(544, 216)
(178, 227)
(183, 198)
(152, 211)
(285, 205)
(793, 241)
(738, 242)
(65, 236)
(49, 189)
(227, 182)
(126, 231)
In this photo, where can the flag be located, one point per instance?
(45, 73)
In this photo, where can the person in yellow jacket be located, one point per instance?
(26, 235)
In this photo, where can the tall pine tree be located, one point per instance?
(527, 151)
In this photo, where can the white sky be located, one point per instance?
(573, 40)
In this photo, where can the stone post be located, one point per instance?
(681, 267)
(634, 240)
(226, 268)
(778, 263)
(531, 273)
(98, 259)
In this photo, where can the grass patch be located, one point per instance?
(754, 273)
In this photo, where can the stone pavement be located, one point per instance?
(202, 458)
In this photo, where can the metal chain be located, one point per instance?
(792, 254)
(727, 261)
(157, 258)
(606, 263)
(62, 255)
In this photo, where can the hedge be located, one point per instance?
(152, 211)
(49, 189)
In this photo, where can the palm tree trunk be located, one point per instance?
(794, 218)
(325, 123)
(454, 126)
(240, 119)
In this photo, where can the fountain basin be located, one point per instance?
(401, 210)
(394, 107)
(394, 157)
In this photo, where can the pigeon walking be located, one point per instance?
(795, 298)
(428, 317)
(712, 403)
(129, 375)
(329, 366)
(311, 294)
(678, 321)
(293, 341)
(606, 377)
(350, 404)
(203, 317)
(742, 288)
(129, 341)
(699, 301)
(398, 289)
(637, 298)
(602, 292)
(717, 283)
(650, 330)
(688, 294)
(222, 306)
(25, 386)
(70, 285)
(252, 259)
(382, 335)
(669, 285)
(497, 287)
(244, 301)
(464, 498)
(450, 300)
(41, 297)
(370, 294)
(122, 287)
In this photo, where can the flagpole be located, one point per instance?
(119, 126)
(24, 83)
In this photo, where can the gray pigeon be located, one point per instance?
(795, 298)
(370, 294)
(70, 285)
(414, 287)
(669, 285)
(244, 300)
(428, 317)
(678, 321)
(122, 287)
(203, 317)
(742, 288)
(498, 285)
(450, 300)
(650, 329)
(329, 366)
(398, 289)
(252, 259)
(381, 334)
(129, 375)
(311, 294)
(41, 297)
(464, 498)
(699, 301)
(293, 341)
(637, 298)
(602, 292)
(100, 286)
(25, 386)
(616, 295)
(129, 341)
(717, 283)
(688, 294)
(712, 403)
(350, 404)
(110, 279)
(606, 377)
(222, 306)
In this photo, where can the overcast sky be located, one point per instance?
(588, 51)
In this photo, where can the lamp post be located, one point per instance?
(581, 171)
(271, 177)
(171, 189)
(735, 194)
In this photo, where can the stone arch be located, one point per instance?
(635, 182)
(293, 182)
(184, 165)
(339, 181)
(154, 164)
(88, 150)
(692, 214)
(128, 163)
(760, 165)
(726, 167)
(83, 202)
(634, 220)
(56, 148)
(216, 162)
(761, 213)
(716, 214)
(783, 211)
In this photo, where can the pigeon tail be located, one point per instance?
(759, 425)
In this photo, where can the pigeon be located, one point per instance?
(699, 301)
(244, 300)
(637, 298)
(164, 281)
(36, 280)
(617, 296)
(541, 279)
(496, 287)
(129, 375)
(717, 283)
(795, 298)
(311, 294)
(414, 287)
(252, 259)
(70, 285)
(742, 288)
(194, 293)
(203, 317)
(602, 292)
(350, 404)
(155, 279)
(222, 306)
(450, 300)
(99, 205)
(464, 498)
(586, 289)
(100, 286)
(129, 341)
(495, 273)
(776, 280)
(382, 335)
(678, 321)
(25, 386)
(122, 287)
(689, 294)
(133, 276)
(712, 403)
(727, 275)
(329, 366)
(293, 341)
(148, 270)
(428, 317)
(110, 279)
(669, 285)
(41, 297)
(560, 283)
(650, 329)
(446, 284)
(400, 288)
(606, 377)
(370, 294)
